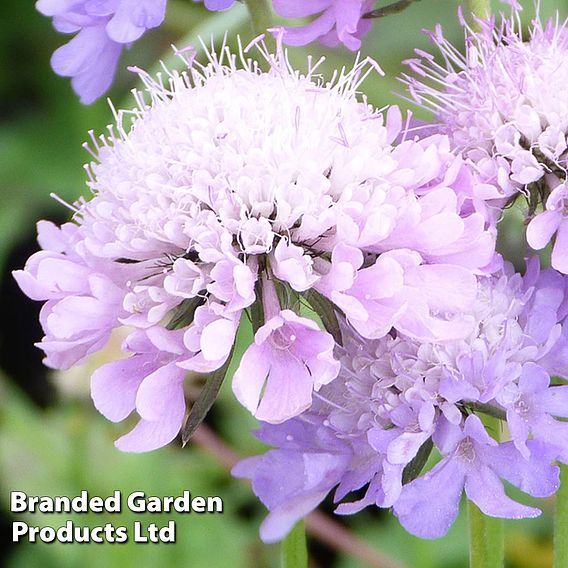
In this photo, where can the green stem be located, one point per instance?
(561, 521)
(478, 9)
(294, 551)
(489, 410)
(261, 15)
(486, 548)
(486, 542)
(394, 8)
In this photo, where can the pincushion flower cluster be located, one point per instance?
(503, 103)
(396, 398)
(411, 422)
(233, 193)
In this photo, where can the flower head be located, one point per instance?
(103, 29)
(396, 398)
(336, 21)
(225, 177)
(504, 105)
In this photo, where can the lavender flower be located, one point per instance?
(228, 183)
(474, 461)
(149, 382)
(291, 355)
(502, 105)
(552, 221)
(337, 21)
(395, 398)
(103, 28)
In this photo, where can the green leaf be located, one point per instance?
(294, 551)
(416, 465)
(204, 402)
(184, 313)
(257, 309)
(393, 8)
(487, 409)
(326, 311)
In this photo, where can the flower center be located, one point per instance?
(282, 338)
(522, 408)
(466, 450)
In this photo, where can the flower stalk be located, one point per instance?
(294, 551)
(479, 8)
(486, 548)
(561, 521)
(260, 14)
(486, 542)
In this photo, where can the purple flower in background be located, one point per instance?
(102, 28)
(335, 22)
(429, 505)
(503, 105)
(397, 397)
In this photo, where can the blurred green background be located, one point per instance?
(52, 441)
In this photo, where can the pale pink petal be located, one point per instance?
(288, 391)
(161, 395)
(114, 386)
(217, 339)
(486, 490)
(147, 436)
(250, 376)
(559, 259)
(542, 227)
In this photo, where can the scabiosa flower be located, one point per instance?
(83, 298)
(103, 28)
(396, 398)
(552, 221)
(291, 355)
(239, 194)
(503, 104)
(336, 21)
(150, 382)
